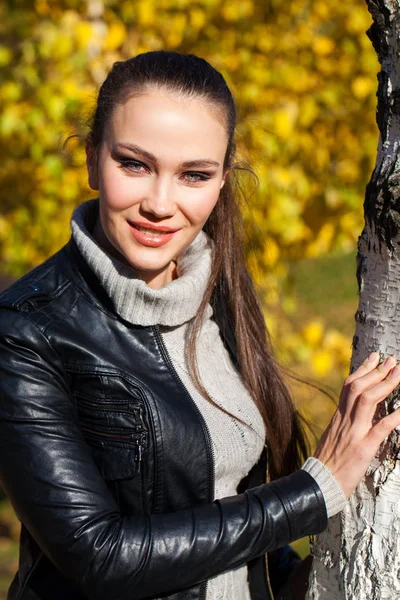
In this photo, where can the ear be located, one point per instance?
(225, 175)
(91, 164)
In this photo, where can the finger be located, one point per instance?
(365, 406)
(383, 428)
(369, 363)
(353, 389)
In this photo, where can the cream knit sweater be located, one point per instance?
(236, 447)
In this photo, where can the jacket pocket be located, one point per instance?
(113, 421)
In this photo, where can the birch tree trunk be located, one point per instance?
(358, 557)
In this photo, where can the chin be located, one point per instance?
(150, 268)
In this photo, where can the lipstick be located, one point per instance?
(148, 234)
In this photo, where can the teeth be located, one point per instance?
(150, 231)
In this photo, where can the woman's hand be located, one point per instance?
(351, 439)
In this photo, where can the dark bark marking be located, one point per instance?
(362, 268)
(361, 316)
(382, 198)
(396, 102)
(383, 110)
(382, 204)
(354, 345)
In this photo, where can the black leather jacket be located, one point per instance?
(108, 462)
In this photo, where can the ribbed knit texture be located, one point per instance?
(133, 300)
(236, 447)
(334, 496)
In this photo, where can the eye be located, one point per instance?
(195, 177)
(132, 165)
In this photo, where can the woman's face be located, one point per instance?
(159, 171)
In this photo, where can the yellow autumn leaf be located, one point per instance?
(116, 35)
(230, 12)
(285, 119)
(145, 12)
(323, 45)
(348, 170)
(5, 56)
(62, 47)
(197, 18)
(335, 340)
(271, 253)
(308, 111)
(322, 9)
(83, 33)
(358, 21)
(313, 332)
(362, 86)
(323, 240)
(10, 91)
(322, 362)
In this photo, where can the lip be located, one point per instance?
(161, 236)
(158, 228)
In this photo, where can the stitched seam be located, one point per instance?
(292, 517)
(284, 504)
(321, 505)
(29, 576)
(101, 370)
(60, 318)
(42, 334)
(83, 292)
(92, 303)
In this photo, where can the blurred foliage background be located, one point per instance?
(304, 75)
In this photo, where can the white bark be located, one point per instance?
(358, 557)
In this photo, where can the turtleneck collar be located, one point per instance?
(174, 304)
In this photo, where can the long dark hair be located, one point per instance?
(230, 282)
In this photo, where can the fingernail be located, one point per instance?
(395, 372)
(390, 361)
(373, 356)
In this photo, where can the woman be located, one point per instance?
(138, 392)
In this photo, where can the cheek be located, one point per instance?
(119, 192)
(200, 208)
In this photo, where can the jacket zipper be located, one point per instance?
(139, 442)
(115, 436)
(266, 554)
(209, 447)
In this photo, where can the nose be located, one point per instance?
(159, 200)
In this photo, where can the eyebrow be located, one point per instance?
(188, 164)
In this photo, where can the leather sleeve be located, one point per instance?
(48, 473)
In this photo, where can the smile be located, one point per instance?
(149, 236)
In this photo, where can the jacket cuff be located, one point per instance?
(303, 503)
(335, 499)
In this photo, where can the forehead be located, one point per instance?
(168, 124)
